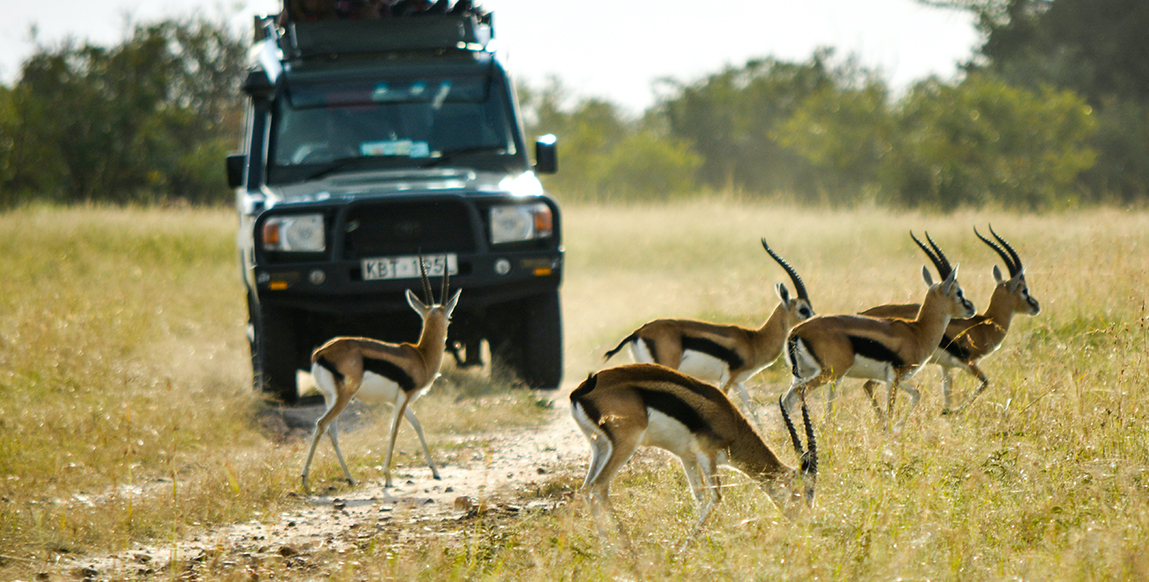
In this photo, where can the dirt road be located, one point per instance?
(501, 473)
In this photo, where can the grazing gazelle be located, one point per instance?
(966, 341)
(826, 348)
(375, 371)
(727, 354)
(623, 408)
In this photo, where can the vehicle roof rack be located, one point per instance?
(467, 32)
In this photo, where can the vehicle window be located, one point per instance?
(400, 122)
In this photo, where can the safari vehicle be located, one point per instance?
(369, 144)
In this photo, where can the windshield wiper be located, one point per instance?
(338, 164)
(449, 155)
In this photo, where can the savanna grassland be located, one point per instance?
(126, 414)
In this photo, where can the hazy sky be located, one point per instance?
(612, 50)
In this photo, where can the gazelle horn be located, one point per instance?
(1016, 259)
(939, 259)
(799, 287)
(808, 457)
(430, 298)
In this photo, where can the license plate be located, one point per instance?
(408, 267)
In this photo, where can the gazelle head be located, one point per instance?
(431, 311)
(1014, 288)
(794, 492)
(948, 292)
(798, 309)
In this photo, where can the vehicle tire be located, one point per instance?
(275, 353)
(542, 342)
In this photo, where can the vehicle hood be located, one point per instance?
(393, 182)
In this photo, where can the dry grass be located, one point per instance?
(126, 413)
(122, 364)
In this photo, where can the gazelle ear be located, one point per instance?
(450, 306)
(927, 277)
(951, 281)
(997, 275)
(1015, 282)
(414, 302)
(783, 293)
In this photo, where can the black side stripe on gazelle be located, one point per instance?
(390, 371)
(327, 365)
(712, 348)
(954, 348)
(674, 407)
(875, 350)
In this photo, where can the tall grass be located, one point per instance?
(123, 367)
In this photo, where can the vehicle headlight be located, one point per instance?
(520, 222)
(300, 233)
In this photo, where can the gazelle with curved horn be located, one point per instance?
(968, 340)
(825, 349)
(623, 408)
(726, 354)
(373, 371)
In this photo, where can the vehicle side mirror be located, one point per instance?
(258, 85)
(235, 163)
(546, 154)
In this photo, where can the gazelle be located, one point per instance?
(825, 349)
(623, 408)
(373, 371)
(727, 354)
(966, 341)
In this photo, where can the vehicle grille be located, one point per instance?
(380, 230)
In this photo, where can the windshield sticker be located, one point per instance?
(399, 147)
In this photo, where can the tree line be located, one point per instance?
(1053, 113)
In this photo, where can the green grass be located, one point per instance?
(123, 363)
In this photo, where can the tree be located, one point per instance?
(136, 122)
(1096, 48)
(985, 142)
(605, 155)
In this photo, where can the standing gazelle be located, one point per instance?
(967, 340)
(825, 349)
(727, 354)
(623, 408)
(375, 371)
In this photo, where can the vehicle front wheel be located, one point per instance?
(532, 350)
(274, 357)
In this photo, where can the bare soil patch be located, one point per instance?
(501, 473)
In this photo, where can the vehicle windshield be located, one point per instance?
(400, 122)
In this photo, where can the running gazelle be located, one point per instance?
(623, 408)
(968, 340)
(727, 354)
(373, 371)
(826, 348)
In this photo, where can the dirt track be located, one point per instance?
(500, 479)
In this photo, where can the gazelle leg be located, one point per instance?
(400, 407)
(321, 426)
(915, 395)
(869, 388)
(973, 369)
(333, 432)
(947, 385)
(831, 397)
(701, 472)
(410, 414)
(747, 405)
(597, 485)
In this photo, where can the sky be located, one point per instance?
(597, 48)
